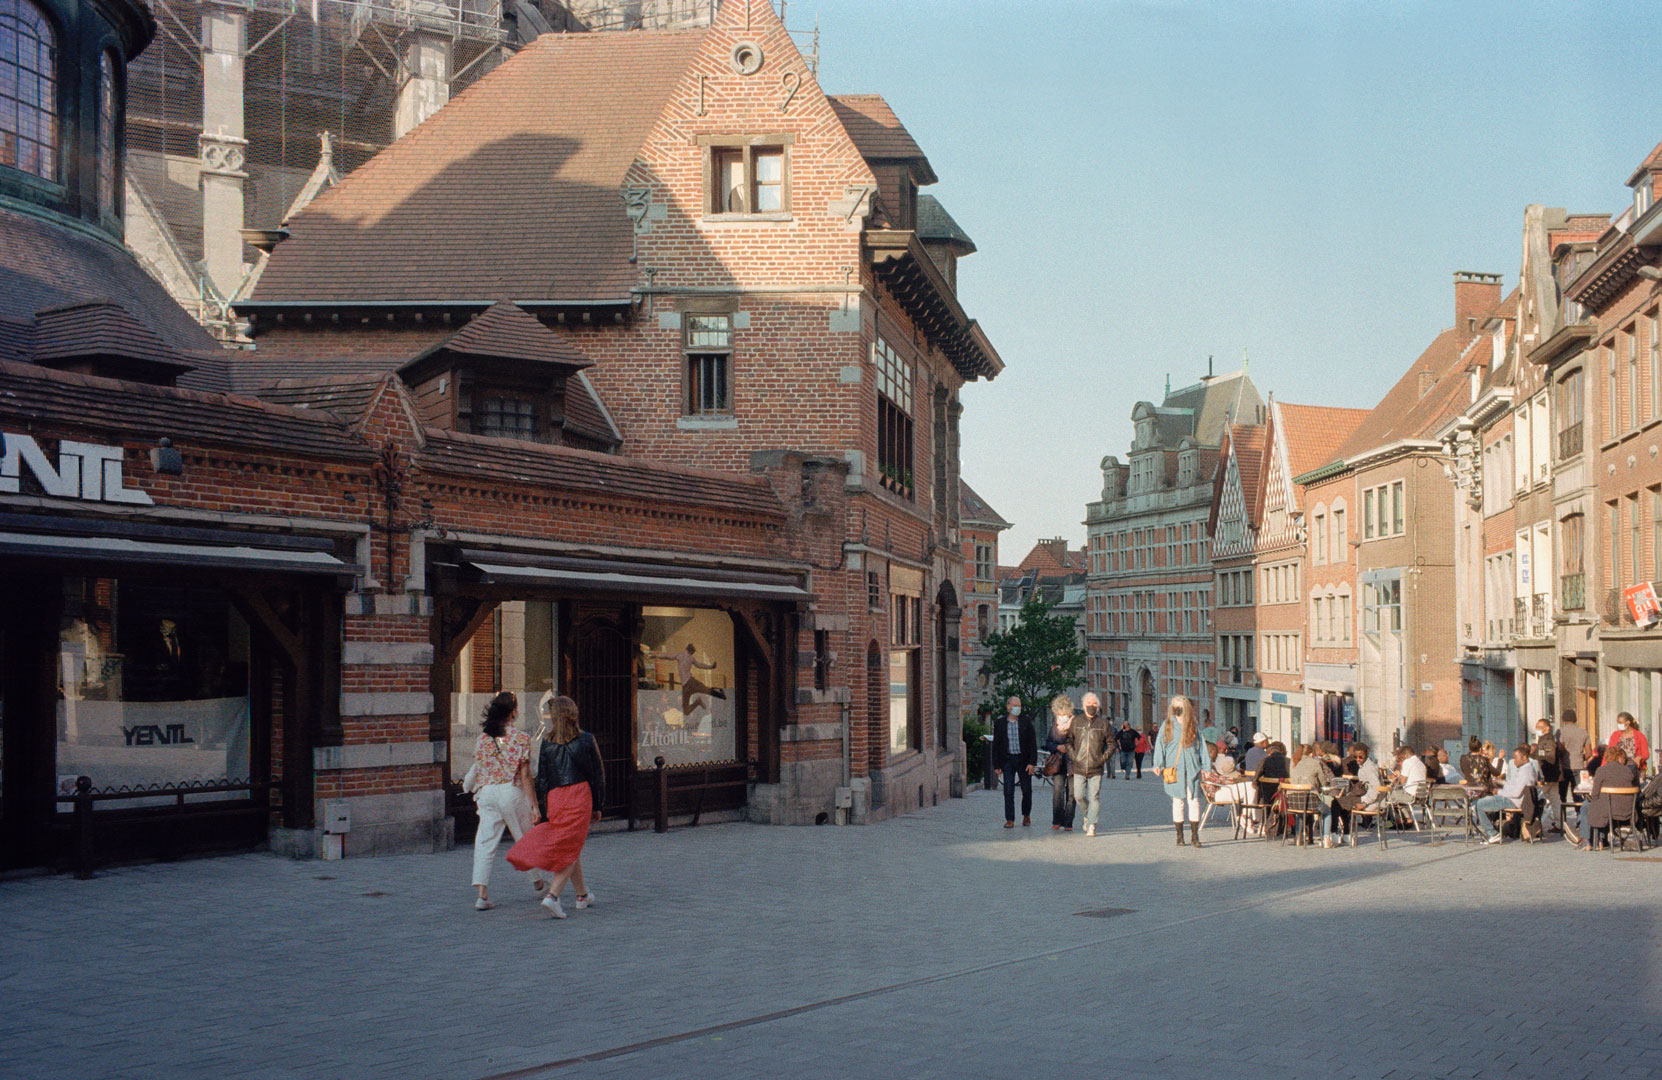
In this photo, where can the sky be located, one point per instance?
(1153, 183)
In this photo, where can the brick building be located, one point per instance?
(979, 526)
(1389, 479)
(1150, 595)
(1618, 290)
(1264, 536)
(414, 495)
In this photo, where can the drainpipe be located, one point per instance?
(847, 790)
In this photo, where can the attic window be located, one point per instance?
(506, 417)
(749, 179)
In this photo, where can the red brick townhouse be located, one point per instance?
(287, 575)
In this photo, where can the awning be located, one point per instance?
(160, 552)
(614, 577)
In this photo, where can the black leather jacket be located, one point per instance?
(575, 762)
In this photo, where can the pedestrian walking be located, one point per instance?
(1142, 749)
(1126, 741)
(1550, 760)
(571, 788)
(1062, 804)
(501, 789)
(1088, 749)
(1180, 757)
(1015, 752)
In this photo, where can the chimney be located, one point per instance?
(1475, 295)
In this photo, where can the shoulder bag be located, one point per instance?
(1053, 764)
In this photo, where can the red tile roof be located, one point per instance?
(140, 412)
(493, 460)
(1314, 433)
(878, 133)
(1054, 557)
(1653, 160)
(508, 332)
(1250, 445)
(512, 189)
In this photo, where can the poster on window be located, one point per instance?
(683, 687)
(140, 743)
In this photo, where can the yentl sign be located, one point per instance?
(84, 471)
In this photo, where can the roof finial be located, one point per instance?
(1243, 359)
(1168, 384)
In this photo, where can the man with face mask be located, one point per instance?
(1015, 753)
(1088, 753)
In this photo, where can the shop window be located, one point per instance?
(152, 687)
(28, 90)
(108, 160)
(748, 180)
(506, 417)
(894, 420)
(709, 351)
(684, 711)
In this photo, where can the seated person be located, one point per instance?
(1451, 771)
(1616, 772)
(1433, 769)
(1274, 767)
(1409, 779)
(1256, 752)
(1521, 778)
(1362, 792)
(1474, 764)
(1309, 769)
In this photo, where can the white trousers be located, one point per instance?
(1178, 805)
(499, 805)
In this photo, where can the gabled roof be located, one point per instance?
(1314, 433)
(878, 133)
(974, 510)
(1653, 160)
(1244, 444)
(511, 190)
(1210, 404)
(1410, 408)
(1049, 558)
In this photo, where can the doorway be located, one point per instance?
(602, 684)
(1147, 685)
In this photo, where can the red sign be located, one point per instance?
(1642, 604)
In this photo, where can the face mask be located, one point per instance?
(1090, 710)
(1015, 710)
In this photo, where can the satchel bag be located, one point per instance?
(1169, 774)
(1053, 764)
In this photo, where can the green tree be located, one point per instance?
(1037, 658)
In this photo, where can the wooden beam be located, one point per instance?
(257, 609)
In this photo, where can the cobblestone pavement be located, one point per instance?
(938, 944)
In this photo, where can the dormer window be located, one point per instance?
(1642, 196)
(28, 90)
(507, 417)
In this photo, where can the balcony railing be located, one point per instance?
(1520, 614)
(1572, 591)
(1538, 616)
(1569, 442)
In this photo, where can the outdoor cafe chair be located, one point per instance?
(1449, 804)
(1230, 808)
(1624, 817)
(1378, 811)
(1257, 812)
(1302, 809)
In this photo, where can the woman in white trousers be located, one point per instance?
(501, 761)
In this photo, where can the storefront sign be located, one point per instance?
(88, 471)
(1642, 604)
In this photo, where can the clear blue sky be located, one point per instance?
(1153, 182)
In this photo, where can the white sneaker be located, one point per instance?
(552, 903)
(1090, 830)
(1495, 839)
(586, 900)
(482, 904)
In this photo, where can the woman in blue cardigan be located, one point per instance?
(1180, 755)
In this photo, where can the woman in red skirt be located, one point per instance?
(571, 787)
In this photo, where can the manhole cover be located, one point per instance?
(1105, 912)
(376, 894)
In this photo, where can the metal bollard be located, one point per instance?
(661, 822)
(83, 827)
(989, 781)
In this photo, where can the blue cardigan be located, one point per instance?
(1189, 761)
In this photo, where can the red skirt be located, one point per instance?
(556, 843)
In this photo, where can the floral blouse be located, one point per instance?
(497, 760)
